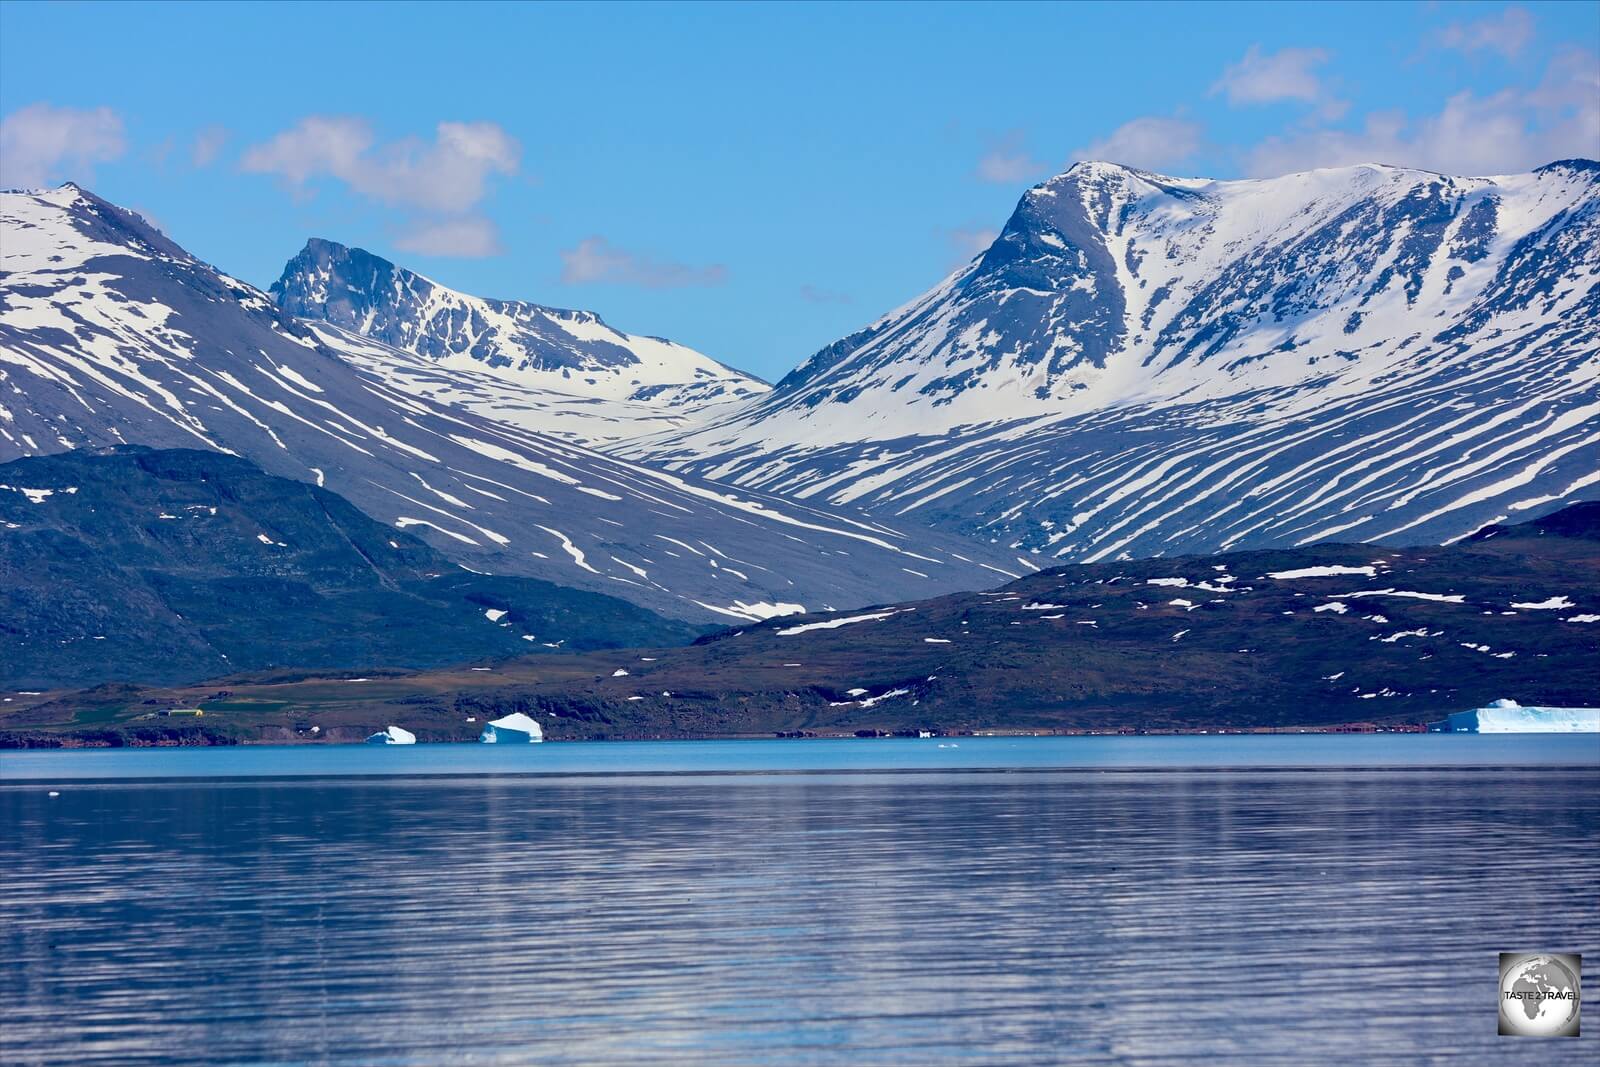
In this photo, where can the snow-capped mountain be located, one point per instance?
(1143, 365)
(546, 369)
(112, 334)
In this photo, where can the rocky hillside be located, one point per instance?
(168, 566)
(112, 334)
(1143, 365)
(1285, 638)
(542, 368)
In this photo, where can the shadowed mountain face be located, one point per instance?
(1144, 366)
(1303, 637)
(111, 334)
(547, 369)
(166, 566)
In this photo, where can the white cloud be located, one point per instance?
(41, 143)
(472, 237)
(594, 259)
(1007, 162)
(1514, 129)
(1507, 33)
(448, 175)
(1289, 74)
(207, 145)
(1151, 141)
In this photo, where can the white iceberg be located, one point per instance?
(394, 735)
(514, 729)
(1509, 717)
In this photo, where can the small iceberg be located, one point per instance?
(1509, 717)
(394, 735)
(514, 729)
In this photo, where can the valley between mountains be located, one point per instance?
(1171, 453)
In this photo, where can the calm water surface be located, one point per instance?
(1252, 915)
(669, 757)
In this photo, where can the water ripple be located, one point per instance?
(1128, 918)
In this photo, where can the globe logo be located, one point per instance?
(1539, 995)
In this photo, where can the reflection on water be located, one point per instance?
(1127, 917)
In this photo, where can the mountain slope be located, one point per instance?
(1285, 638)
(112, 334)
(546, 369)
(167, 566)
(1143, 365)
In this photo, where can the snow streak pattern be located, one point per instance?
(111, 334)
(1143, 365)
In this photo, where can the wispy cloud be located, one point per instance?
(208, 145)
(594, 259)
(815, 295)
(1510, 130)
(472, 237)
(1006, 161)
(1263, 78)
(41, 143)
(1151, 141)
(448, 175)
(438, 184)
(1507, 33)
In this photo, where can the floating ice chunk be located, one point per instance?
(1509, 717)
(494, 614)
(515, 728)
(1582, 618)
(394, 735)
(936, 640)
(619, 673)
(1334, 606)
(1178, 582)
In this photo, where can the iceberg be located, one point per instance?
(514, 729)
(394, 735)
(1509, 717)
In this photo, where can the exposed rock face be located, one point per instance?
(1143, 365)
(111, 334)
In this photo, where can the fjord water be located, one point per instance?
(1329, 914)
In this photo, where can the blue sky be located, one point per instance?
(754, 181)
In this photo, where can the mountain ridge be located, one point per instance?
(514, 349)
(111, 334)
(1153, 365)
